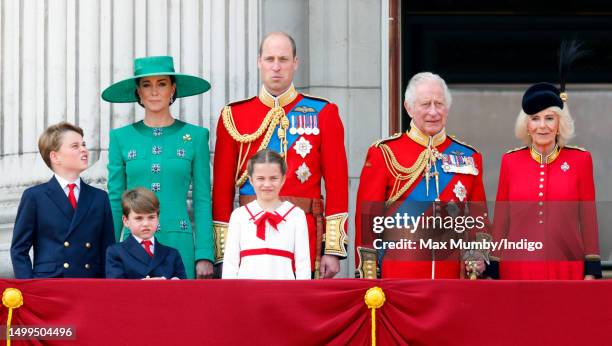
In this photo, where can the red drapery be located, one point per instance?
(235, 312)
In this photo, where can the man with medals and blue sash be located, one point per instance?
(420, 175)
(308, 132)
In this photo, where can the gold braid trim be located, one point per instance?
(401, 173)
(275, 116)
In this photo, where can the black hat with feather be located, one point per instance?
(543, 95)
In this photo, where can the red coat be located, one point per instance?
(379, 182)
(549, 200)
(325, 160)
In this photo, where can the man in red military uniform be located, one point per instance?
(408, 172)
(308, 132)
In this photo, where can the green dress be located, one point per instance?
(166, 160)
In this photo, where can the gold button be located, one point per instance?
(87, 266)
(66, 265)
(88, 245)
(541, 173)
(541, 212)
(541, 186)
(541, 180)
(541, 222)
(66, 244)
(540, 203)
(540, 194)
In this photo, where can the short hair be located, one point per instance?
(139, 200)
(293, 47)
(266, 156)
(410, 93)
(566, 125)
(51, 139)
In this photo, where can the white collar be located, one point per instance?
(64, 182)
(139, 240)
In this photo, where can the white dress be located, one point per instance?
(249, 257)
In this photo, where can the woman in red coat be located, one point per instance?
(545, 215)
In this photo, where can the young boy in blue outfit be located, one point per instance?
(141, 256)
(68, 222)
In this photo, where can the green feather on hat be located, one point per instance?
(125, 90)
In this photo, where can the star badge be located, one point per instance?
(302, 147)
(565, 167)
(460, 191)
(303, 173)
(186, 137)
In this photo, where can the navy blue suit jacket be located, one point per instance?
(67, 242)
(129, 260)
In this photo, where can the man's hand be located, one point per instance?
(330, 266)
(589, 277)
(204, 269)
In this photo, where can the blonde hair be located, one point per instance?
(140, 201)
(566, 125)
(51, 139)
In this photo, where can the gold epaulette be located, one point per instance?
(383, 140)
(515, 149)
(575, 147)
(317, 98)
(463, 143)
(240, 101)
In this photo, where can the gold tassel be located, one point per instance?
(12, 299)
(374, 299)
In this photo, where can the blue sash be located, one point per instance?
(275, 142)
(412, 204)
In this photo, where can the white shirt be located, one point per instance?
(292, 236)
(139, 240)
(64, 184)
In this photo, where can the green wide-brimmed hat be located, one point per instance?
(125, 90)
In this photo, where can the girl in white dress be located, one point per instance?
(267, 238)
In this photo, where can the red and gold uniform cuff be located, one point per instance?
(220, 234)
(335, 237)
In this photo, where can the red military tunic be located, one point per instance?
(382, 181)
(549, 200)
(314, 152)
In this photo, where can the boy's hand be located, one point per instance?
(204, 269)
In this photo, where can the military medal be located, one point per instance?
(293, 130)
(303, 173)
(460, 191)
(302, 147)
(315, 130)
(300, 129)
(459, 164)
(565, 167)
(308, 129)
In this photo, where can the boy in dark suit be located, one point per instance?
(67, 222)
(141, 256)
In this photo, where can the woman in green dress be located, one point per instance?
(165, 155)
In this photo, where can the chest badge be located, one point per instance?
(186, 137)
(302, 147)
(460, 191)
(303, 173)
(565, 166)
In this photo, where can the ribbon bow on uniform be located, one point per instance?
(272, 218)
